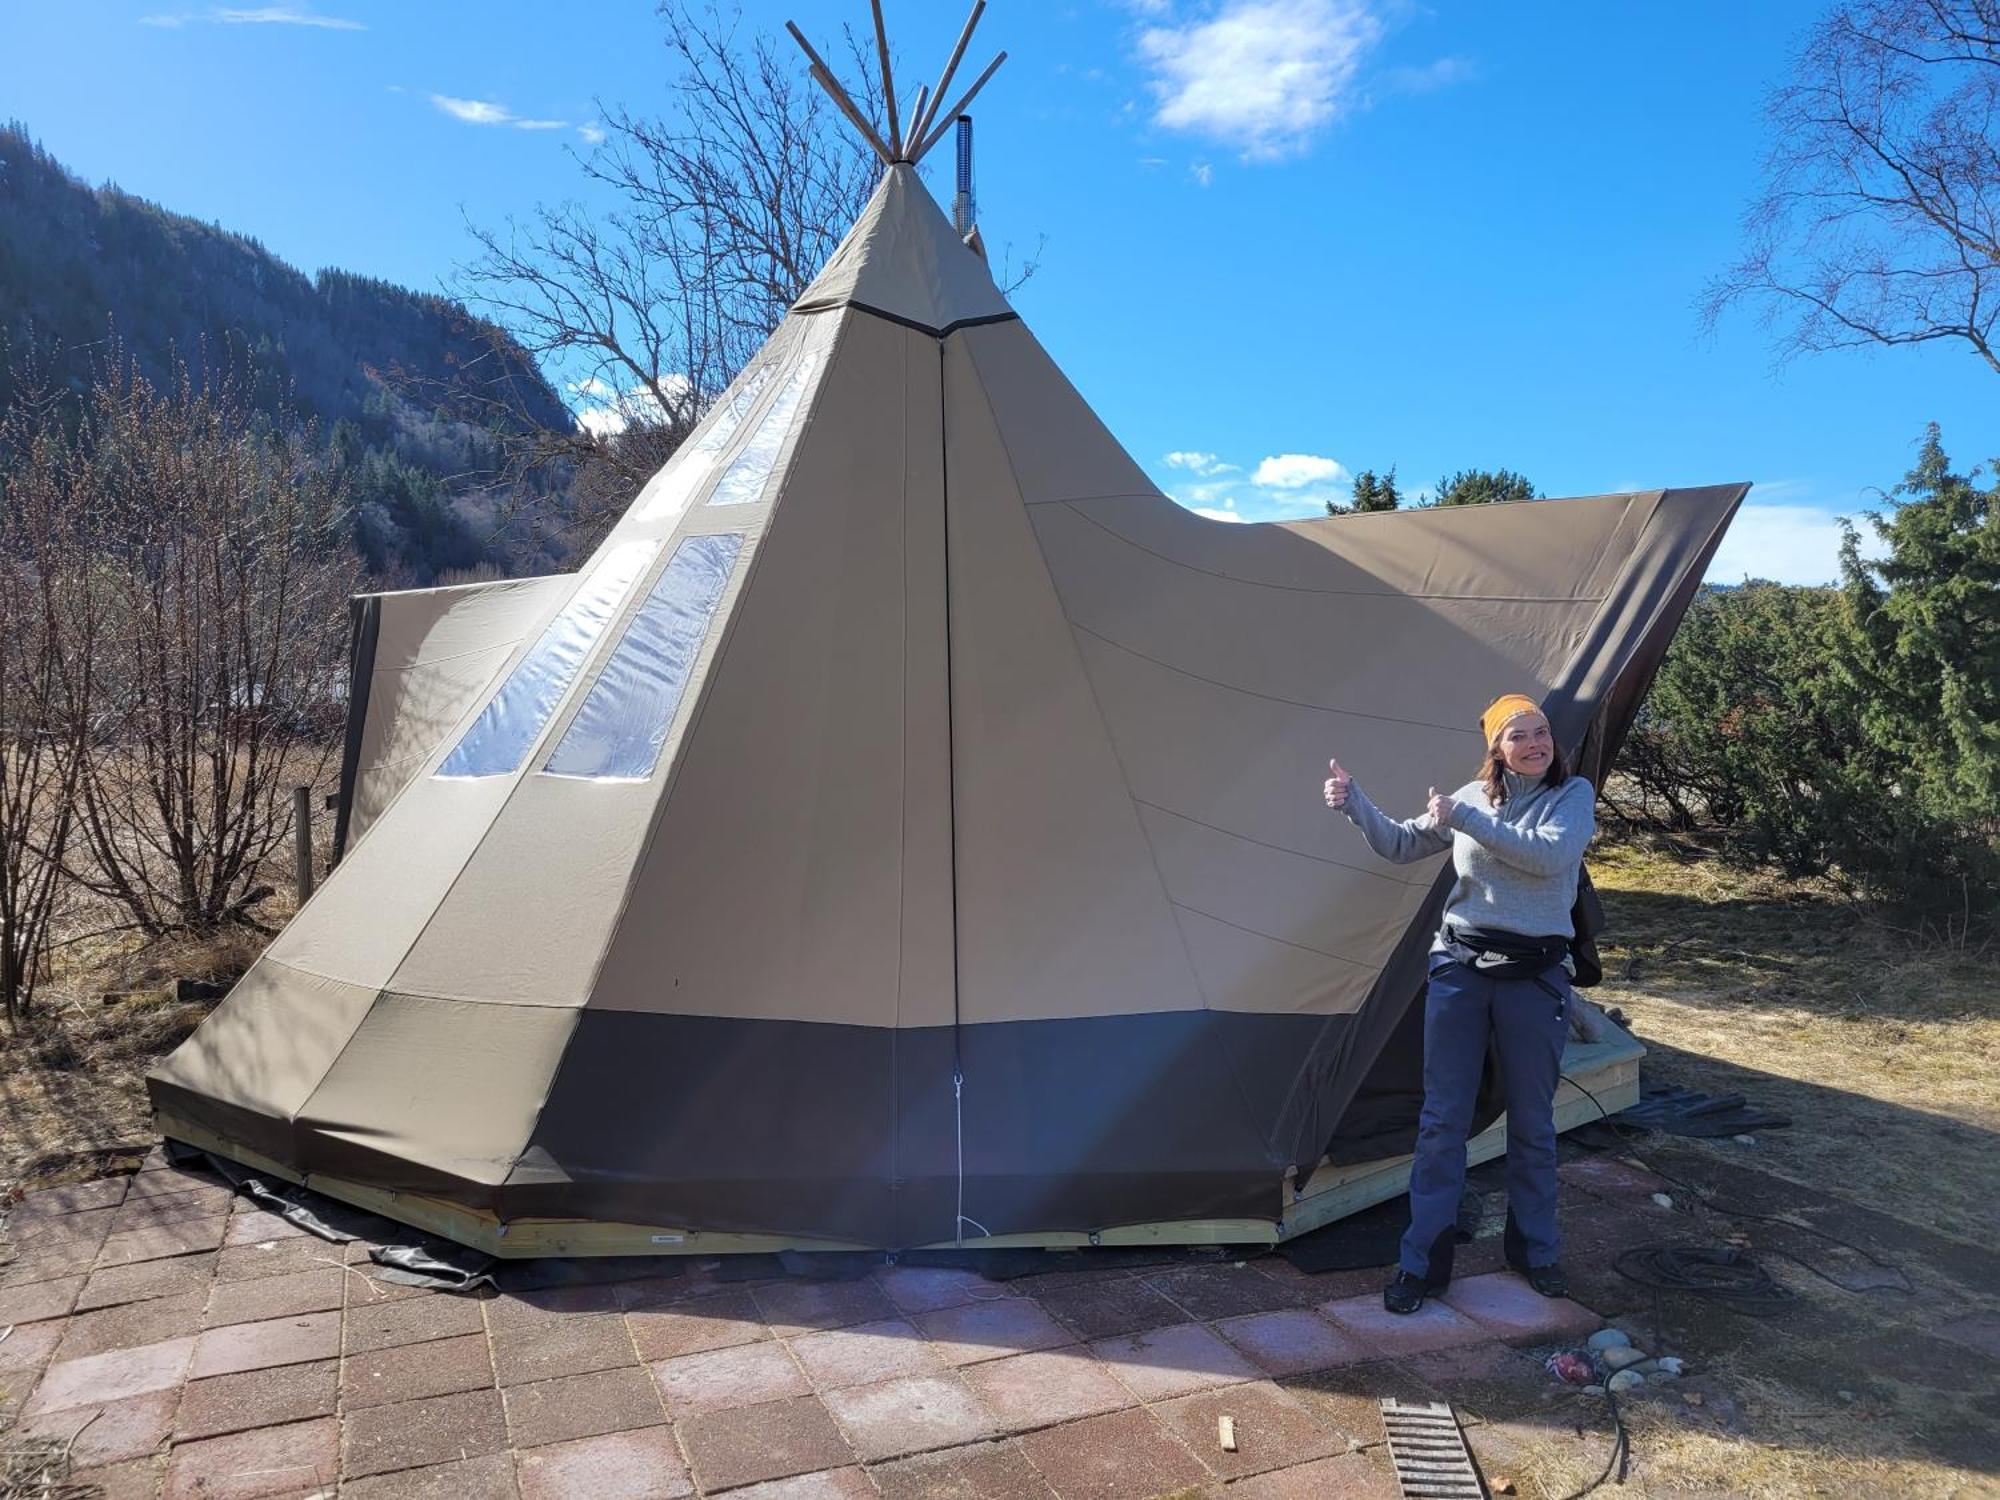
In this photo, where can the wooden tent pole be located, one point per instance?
(827, 81)
(916, 114)
(956, 110)
(888, 82)
(923, 124)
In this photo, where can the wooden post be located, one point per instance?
(302, 834)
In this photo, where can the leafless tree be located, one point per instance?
(1877, 223)
(225, 572)
(728, 203)
(48, 625)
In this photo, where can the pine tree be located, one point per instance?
(1484, 487)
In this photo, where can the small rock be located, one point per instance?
(1693, 1398)
(1624, 1380)
(1609, 1338)
(1660, 1377)
(1746, 1140)
(1593, 1390)
(1620, 1356)
(1845, 1395)
(1645, 1366)
(1500, 1484)
(1673, 1364)
(1663, 1200)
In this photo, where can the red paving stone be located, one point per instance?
(1045, 1389)
(1101, 1309)
(692, 1327)
(257, 1398)
(136, 1479)
(257, 1228)
(1387, 1335)
(44, 1203)
(865, 1355)
(188, 1237)
(791, 1307)
(33, 1301)
(277, 1258)
(754, 1443)
(284, 1296)
(747, 1375)
(575, 1346)
(1224, 1291)
(131, 1325)
(415, 1320)
(166, 1182)
(146, 1213)
(252, 1465)
(554, 1411)
(911, 1415)
(1128, 1455)
(146, 1279)
(29, 1346)
(991, 1330)
(420, 1434)
(109, 1434)
(488, 1477)
(1352, 1476)
(616, 1466)
(919, 1289)
(1291, 1342)
(1509, 1308)
(410, 1372)
(981, 1471)
(1273, 1430)
(827, 1484)
(111, 1377)
(1175, 1361)
(260, 1346)
(551, 1307)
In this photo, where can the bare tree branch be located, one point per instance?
(1879, 223)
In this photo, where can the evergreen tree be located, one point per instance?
(1372, 491)
(1484, 486)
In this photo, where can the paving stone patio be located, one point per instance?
(192, 1346)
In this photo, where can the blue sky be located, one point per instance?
(1285, 241)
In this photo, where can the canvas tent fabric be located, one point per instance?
(905, 827)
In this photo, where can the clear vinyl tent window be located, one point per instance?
(513, 719)
(688, 468)
(743, 482)
(622, 727)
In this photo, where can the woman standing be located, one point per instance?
(1517, 836)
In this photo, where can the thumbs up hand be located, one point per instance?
(1440, 810)
(1337, 785)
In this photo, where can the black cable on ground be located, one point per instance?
(1724, 1275)
(1621, 1450)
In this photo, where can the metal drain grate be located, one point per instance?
(1429, 1452)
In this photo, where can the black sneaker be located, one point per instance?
(1548, 1280)
(1406, 1293)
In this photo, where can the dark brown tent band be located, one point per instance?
(905, 828)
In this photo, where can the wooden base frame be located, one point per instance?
(1599, 1078)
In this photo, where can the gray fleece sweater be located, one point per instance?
(1516, 866)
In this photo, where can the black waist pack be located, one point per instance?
(1504, 955)
(1587, 917)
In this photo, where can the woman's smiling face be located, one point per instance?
(1527, 745)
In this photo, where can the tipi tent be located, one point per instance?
(905, 828)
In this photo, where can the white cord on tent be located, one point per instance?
(958, 1118)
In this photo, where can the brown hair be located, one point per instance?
(1493, 774)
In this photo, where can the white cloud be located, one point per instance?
(1432, 76)
(1783, 543)
(1202, 173)
(1197, 462)
(486, 112)
(604, 411)
(261, 15)
(1295, 471)
(592, 134)
(1217, 515)
(1263, 76)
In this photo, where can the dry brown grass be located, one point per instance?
(1884, 1048)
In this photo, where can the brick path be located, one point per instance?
(196, 1347)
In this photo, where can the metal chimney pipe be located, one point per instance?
(964, 212)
